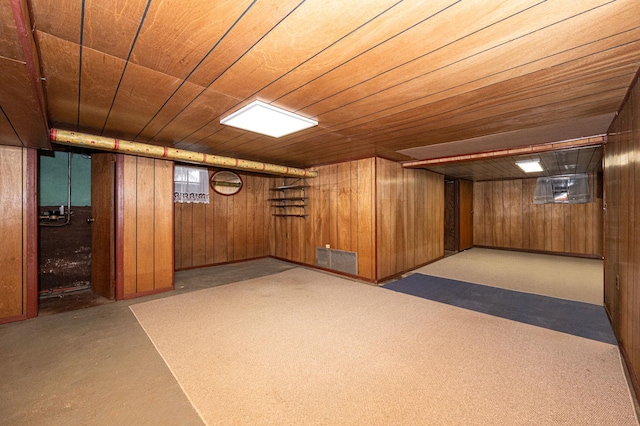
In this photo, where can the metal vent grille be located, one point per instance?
(337, 260)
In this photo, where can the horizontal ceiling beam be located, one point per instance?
(102, 143)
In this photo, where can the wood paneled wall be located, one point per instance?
(228, 229)
(409, 216)
(340, 209)
(144, 225)
(18, 227)
(622, 254)
(505, 217)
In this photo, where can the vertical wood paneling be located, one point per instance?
(220, 222)
(515, 213)
(103, 226)
(622, 261)
(238, 238)
(478, 214)
(228, 229)
(209, 235)
(130, 224)
(557, 227)
(177, 252)
(198, 239)
(403, 198)
(505, 217)
(144, 227)
(365, 228)
(333, 205)
(186, 239)
(339, 212)
(383, 219)
(466, 214)
(12, 227)
(147, 238)
(163, 224)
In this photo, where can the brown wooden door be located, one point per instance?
(103, 230)
(466, 214)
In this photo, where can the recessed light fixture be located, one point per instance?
(529, 166)
(268, 120)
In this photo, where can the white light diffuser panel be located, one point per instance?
(268, 120)
(532, 166)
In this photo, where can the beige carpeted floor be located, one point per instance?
(564, 277)
(304, 347)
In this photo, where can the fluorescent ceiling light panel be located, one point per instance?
(268, 120)
(530, 166)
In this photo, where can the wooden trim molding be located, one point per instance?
(32, 233)
(146, 293)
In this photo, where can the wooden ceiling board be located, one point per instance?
(382, 67)
(486, 101)
(251, 27)
(102, 18)
(381, 76)
(225, 49)
(59, 61)
(625, 54)
(201, 111)
(521, 119)
(427, 136)
(176, 102)
(61, 19)
(225, 140)
(487, 127)
(10, 47)
(8, 135)
(522, 53)
(101, 75)
(20, 106)
(378, 30)
(144, 88)
(510, 107)
(294, 41)
(175, 39)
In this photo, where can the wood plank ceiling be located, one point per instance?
(380, 76)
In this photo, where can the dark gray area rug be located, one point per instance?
(567, 316)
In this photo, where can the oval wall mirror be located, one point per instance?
(226, 183)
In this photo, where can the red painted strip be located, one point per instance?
(166, 151)
(116, 144)
(52, 135)
(204, 158)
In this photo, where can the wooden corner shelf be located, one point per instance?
(293, 202)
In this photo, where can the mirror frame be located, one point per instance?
(227, 181)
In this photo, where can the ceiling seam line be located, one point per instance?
(221, 74)
(503, 104)
(431, 52)
(488, 76)
(296, 67)
(126, 64)
(11, 124)
(273, 148)
(82, 12)
(184, 81)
